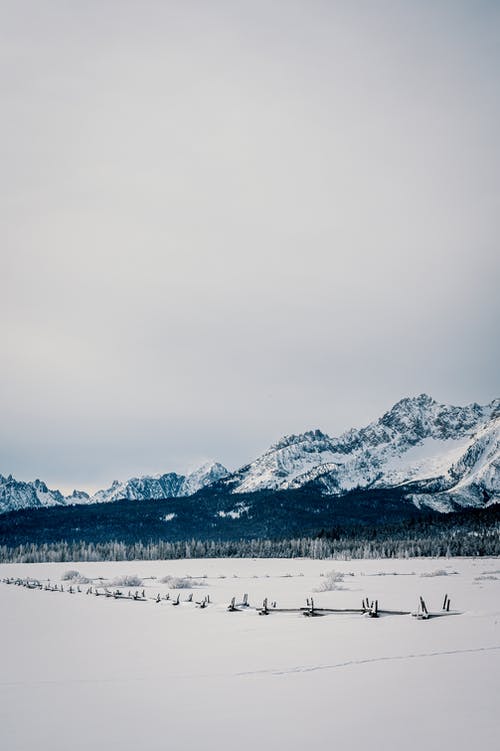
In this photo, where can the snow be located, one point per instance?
(430, 458)
(485, 468)
(82, 672)
(235, 513)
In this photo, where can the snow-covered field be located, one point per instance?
(86, 672)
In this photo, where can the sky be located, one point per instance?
(224, 222)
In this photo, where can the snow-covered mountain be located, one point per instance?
(169, 485)
(441, 455)
(444, 454)
(15, 494)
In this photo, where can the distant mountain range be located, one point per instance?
(15, 495)
(434, 455)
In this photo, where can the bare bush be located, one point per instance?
(129, 580)
(438, 572)
(331, 581)
(180, 582)
(70, 574)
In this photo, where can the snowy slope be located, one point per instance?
(474, 478)
(446, 449)
(202, 477)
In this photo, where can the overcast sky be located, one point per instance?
(222, 222)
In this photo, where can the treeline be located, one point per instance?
(468, 533)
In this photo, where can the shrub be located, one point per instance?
(181, 582)
(130, 580)
(331, 581)
(438, 572)
(70, 574)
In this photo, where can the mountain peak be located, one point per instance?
(421, 400)
(444, 454)
(417, 440)
(206, 474)
(413, 403)
(309, 436)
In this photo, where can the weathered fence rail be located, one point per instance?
(368, 608)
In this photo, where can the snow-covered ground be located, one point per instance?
(86, 672)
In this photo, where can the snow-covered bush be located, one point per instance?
(70, 574)
(438, 572)
(331, 581)
(179, 582)
(129, 580)
(75, 577)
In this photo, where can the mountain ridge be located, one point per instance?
(443, 455)
(16, 494)
(417, 440)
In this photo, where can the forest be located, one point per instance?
(471, 532)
